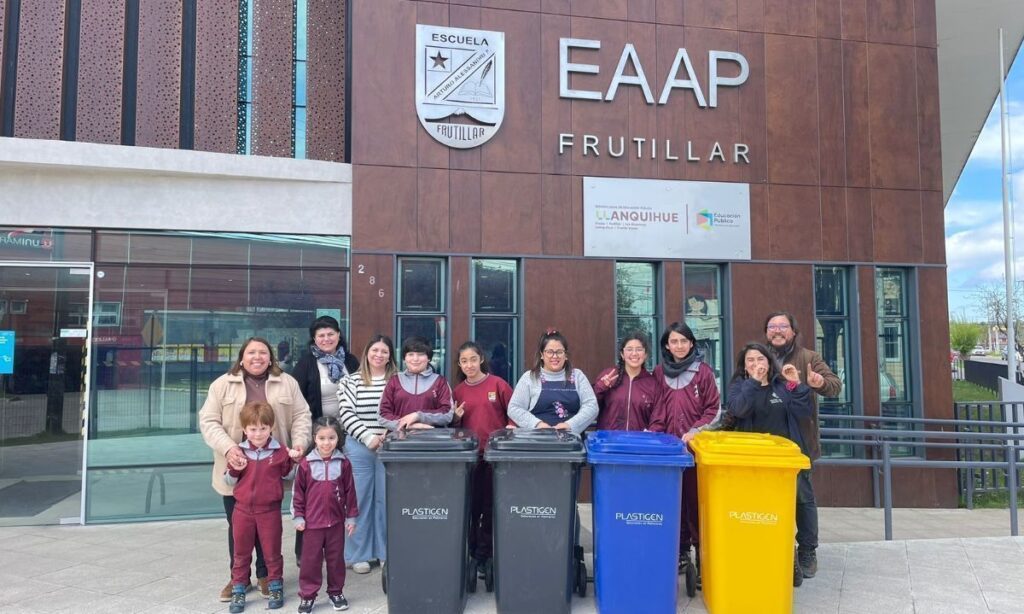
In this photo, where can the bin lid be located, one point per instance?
(637, 448)
(534, 444)
(431, 440)
(634, 442)
(747, 450)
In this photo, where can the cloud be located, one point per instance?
(965, 214)
(989, 149)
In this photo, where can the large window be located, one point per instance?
(892, 305)
(495, 316)
(832, 335)
(171, 310)
(702, 286)
(422, 308)
(636, 303)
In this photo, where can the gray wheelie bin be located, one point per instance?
(537, 563)
(428, 518)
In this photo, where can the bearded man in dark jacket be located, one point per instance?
(781, 331)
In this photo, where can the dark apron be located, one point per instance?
(558, 401)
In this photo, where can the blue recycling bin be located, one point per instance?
(637, 489)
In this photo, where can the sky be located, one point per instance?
(974, 212)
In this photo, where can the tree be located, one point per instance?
(993, 298)
(963, 336)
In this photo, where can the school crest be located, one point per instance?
(460, 84)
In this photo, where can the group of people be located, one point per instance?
(323, 425)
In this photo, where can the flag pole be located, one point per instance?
(1004, 126)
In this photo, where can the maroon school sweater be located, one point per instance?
(486, 408)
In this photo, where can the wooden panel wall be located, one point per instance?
(572, 296)
(370, 312)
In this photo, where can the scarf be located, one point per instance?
(782, 353)
(335, 362)
(674, 369)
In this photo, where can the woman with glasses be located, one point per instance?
(553, 394)
(687, 401)
(625, 392)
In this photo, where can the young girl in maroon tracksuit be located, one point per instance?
(481, 405)
(416, 397)
(323, 497)
(258, 489)
(687, 401)
(626, 392)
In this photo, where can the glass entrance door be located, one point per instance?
(44, 329)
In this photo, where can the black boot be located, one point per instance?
(684, 559)
(696, 559)
(798, 576)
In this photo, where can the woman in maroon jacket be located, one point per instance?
(687, 401)
(625, 392)
(416, 397)
(482, 406)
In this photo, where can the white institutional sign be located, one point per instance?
(462, 73)
(656, 219)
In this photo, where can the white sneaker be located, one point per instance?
(361, 567)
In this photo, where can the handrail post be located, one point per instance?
(887, 486)
(1012, 479)
(876, 492)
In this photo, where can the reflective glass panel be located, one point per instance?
(497, 337)
(703, 308)
(420, 285)
(494, 286)
(177, 328)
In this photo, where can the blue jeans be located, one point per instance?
(370, 538)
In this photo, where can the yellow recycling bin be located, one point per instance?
(746, 493)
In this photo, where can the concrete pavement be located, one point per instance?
(969, 566)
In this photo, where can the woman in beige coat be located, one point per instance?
(255, 376)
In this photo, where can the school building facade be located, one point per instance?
(179, 175)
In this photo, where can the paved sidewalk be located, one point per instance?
(180, 567)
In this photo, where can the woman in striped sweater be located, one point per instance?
(359, 400)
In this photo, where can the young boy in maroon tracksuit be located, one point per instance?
(482, 406)
(258, 490)
(416, 397)
(323, 497)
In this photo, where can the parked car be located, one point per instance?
(978, 351)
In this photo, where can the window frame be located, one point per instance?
(852, 360)
(514, 316)
(657, 305)
(441, 354)
(723, 282)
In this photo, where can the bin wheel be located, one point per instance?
(581, 579)
(471, 567)
(691, 581)
(384, 577)
(489, 575)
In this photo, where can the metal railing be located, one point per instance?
(984, 417)
(878, 436)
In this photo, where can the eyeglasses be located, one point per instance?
(554, 353)
(633, 350)
(779, 327)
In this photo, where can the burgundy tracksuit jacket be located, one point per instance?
(259, 490)
(323, 499)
